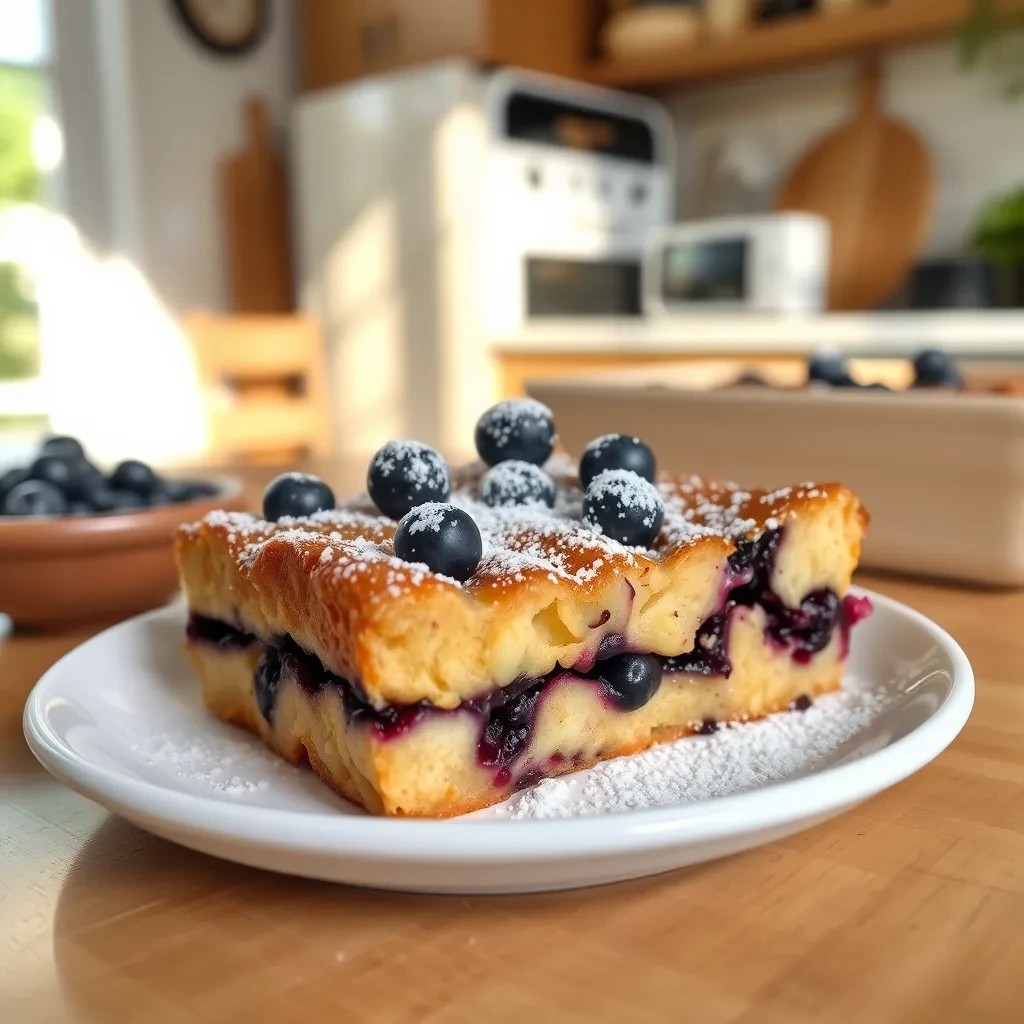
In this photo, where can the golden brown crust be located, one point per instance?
(546, 593)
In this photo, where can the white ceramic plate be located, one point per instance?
(120, 720)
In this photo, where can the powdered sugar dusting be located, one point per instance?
(229, 766)
(421, 464)
(520, 542)
(428, 516)
(505, 420)
(628, 491)
(517, 483)
(736, 759)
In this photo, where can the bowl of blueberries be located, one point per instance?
(79, 544)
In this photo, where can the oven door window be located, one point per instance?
(564, 287)
(705, 271)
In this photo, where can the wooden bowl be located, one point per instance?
(71, 570)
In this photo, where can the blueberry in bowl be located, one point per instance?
(81, 544)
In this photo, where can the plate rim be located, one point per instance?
(416, 840)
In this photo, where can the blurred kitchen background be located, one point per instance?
(266, 231)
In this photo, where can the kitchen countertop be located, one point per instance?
(905, 909)
(995, 333)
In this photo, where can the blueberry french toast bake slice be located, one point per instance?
(521, 621)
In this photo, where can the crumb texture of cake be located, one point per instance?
(558, 626)
(547, 594)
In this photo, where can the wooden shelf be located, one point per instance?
(790, 44)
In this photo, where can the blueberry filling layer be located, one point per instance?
(803, 631)
(202, 629)
(626, 680)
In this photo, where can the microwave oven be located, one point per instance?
(768, 263)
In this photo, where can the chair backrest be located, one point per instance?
(265, 384)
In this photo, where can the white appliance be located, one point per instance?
(441, 208)
(768, 263)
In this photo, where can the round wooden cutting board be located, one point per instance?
(872, 179)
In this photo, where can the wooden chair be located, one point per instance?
(265, 383)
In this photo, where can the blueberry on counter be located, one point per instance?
(517, 483)
(631, 680)
(828, 368)
(934, 369)
(616, 451)
(296, 494)
(404, 474)
(137, 477)
(624, 507)
(35, 498)
(518, 428)
(441, 536)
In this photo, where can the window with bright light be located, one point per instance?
(30, 153)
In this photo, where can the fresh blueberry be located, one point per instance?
(81, 508)
(158, 496)
(178, 490)
(828, 368)
(266, 678)
(89, 475)
(67, 474)
(202, 489)
(188, 490)
(68, 447)
(517, 483)
(616, 451)
(631, 680)
(10, 480)
(624, 507)
(934, 369)
(296, 494)
(126, 501)
(443, 537)
(98, 496)
(35, 498)
(135, 476)
(404, 474)
(518, 428)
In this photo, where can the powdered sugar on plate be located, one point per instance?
(736, 759)
(228, 766)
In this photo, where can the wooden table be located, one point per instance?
(907, 909)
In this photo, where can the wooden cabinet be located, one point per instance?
(346, 39)
(341, 40)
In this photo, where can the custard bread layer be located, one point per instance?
(440, 763)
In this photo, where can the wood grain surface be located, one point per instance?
(909, 908)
